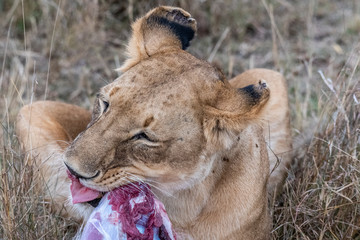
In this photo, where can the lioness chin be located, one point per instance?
(206, 145)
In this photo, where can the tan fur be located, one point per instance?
(205, 154)
(145, 41)
(276, 118)
(45, 129)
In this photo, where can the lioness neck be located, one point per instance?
(231, 200)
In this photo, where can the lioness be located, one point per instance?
(173, 121)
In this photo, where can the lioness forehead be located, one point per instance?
(164, 74)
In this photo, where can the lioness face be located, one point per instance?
(146, 125)
(166, 117)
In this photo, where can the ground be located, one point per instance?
(66, 50)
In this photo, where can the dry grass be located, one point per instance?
(65, 50)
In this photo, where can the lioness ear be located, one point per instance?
(235, 109)
(161, 29)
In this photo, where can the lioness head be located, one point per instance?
(166, 117)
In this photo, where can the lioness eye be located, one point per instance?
(105, 105)
(141, 135)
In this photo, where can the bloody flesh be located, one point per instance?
(127, 212)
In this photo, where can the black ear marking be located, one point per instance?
(255, 93)
(184, 33)
(251, 92)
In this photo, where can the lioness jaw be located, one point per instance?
(175, 122)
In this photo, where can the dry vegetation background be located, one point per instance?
(65, 50)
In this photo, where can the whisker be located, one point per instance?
(156, 182)
(152, 185)
(127, 179)
(131, 178)
(134, 178)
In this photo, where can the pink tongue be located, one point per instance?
(79, 192)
